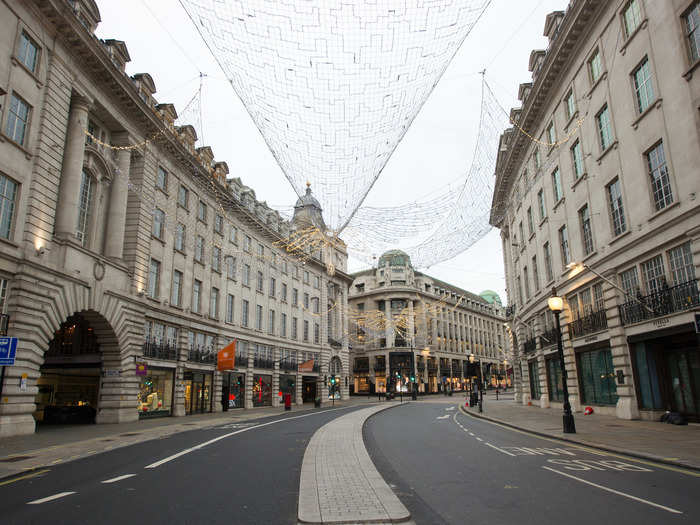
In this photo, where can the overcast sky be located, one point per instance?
(435, 151)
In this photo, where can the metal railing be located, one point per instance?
(432, 369)
(530, 345)
(201, 354)
(160, 349)
(317, 367)
(380, 367)
(666, 301)
(288, 365)
(263, 362)
(548, 338)
(588, 324)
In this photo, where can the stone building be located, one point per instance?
(128, 257)
(404, 323)
(597, 195)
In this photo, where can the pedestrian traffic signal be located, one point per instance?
(332, 380)
(413, 379)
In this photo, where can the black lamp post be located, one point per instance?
(556, 305)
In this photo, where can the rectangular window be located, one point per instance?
(273, 287)
(231, 267)
(259, 283)
(660, 180)
(316, 305)
(533, 372)
(680, 262)
(271, 322)
(233, 235)
(283, 325)
(154, 279)
(551, 135)
(595, 67)
(218, 224)
(283, 292)
(261, 250)
(158, 223)
(577, 159)
(8, 197)
(176, 290)
(202, 211)
(183, 196)
(306, 301)
(631, 17)
(564, 245)
(629, 282)
(17, 119)
(306, 277)
(246, 274)
(28, 52)
(597, 377)
(214, 303)
(317, 333)
(162, 179)
(199, 249)
(180, 237)
(617, 212)
(556, 185)
(584, 216)
(196, 296)
(245, 306)
(84, 208)
(230, 301)
(522, 235)
(653, 273)
(247, 243)
(604, 129)
(295, 321)
(526, 280)
(259, 317)
(570, 105)
(555, 385)
(643, 88)
(295, 297)
(306, 331)
(692, 28)
(216, 259)
(530, 222)
(535, 274)
(541, 205)
(317, 282)
(536, 158)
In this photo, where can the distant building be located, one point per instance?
(598, 197)
(404, 323)
(128, 257)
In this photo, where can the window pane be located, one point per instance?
(660, 181)
(616, 209)
(84, 207)
(653, 272)
(8, 194)
(604, 129)
(692, 21)
(632, 17)
(643, 86)
(680, 261)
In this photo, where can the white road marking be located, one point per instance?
(499, 449)
(635, 498)
(450, 408)
(443, 417)
(471, 434)
(114, 480)
(50, 498)
(479, 439)
(202, 445)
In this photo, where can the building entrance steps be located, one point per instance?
(58, 444)
(339, 483)
(655, 441)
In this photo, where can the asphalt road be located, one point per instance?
(447, 467)
(249, 474)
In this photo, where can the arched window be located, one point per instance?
(85, 199)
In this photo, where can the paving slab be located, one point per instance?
(339, 482)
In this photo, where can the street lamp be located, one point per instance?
(556, 305)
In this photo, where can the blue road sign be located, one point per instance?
(8, 348)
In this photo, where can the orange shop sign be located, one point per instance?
(226, 358)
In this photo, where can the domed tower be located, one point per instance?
(308, 212)
(491, 297)
(394, 268)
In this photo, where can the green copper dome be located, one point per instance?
(394, 258)
(491, 297)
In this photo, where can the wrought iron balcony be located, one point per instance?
(360, 368)
(380, 367)
(159, 349)
(263, 362)
(588, 324)
(432, 369)
(336, 343)
(288, 365)
(530, 345)
(666, 301)
(548, 338)
(201, 354)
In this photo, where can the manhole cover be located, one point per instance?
(15, 458)
(131, 434)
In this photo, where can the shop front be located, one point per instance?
(596, 375)
(262, 390)
(288, 386)
(666, 367)
(198, 390)
(308, 390)
(362, 384)
(232, 390)
(380, 384)
(156, 390)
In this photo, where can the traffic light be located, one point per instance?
(413, 378)
(398, 375)
(332, 380)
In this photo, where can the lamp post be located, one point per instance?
(556, 305)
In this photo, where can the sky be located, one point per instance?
(435, 151)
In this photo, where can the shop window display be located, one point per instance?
(262, 390)
(156, 394)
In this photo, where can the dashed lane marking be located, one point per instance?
(114, 480)
(50, 498)
(623, 494)
(443, 417)
(479, 439)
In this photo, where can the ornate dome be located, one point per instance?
(394, 258)
(491, 297)
(308, 211)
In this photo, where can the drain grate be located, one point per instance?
(14, 459)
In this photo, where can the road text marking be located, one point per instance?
(50, 498)
(635, 498)
(499, 449)
(114, 480)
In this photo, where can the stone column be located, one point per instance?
(389, 328)
(299, 392)
(345, 349)
(116, 217)
(411, 325)
(276, 378)
(248, 400)
(71, 173)
(216, 391)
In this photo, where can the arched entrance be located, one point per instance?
(68, 389)
(335, 369)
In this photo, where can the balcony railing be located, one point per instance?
(263, 362)
(201, 355)
(548, 338)
(432, 369)
(666, 301)
(288, 365)
(317, 367)
(530, 345)
(421, 366)
(588, 324)
(160, 349)
(380, 367)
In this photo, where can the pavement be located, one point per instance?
(671, 444)
(339, 483)
(53, 445)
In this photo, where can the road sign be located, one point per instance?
(8, 348)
